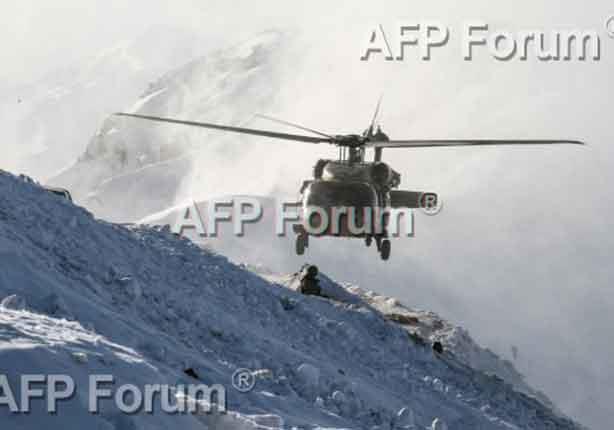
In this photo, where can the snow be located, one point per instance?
(58, 114)
(90, 297)
(227, 86)
(143, 101)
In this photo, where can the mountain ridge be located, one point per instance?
(82, 295)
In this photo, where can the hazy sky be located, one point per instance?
(521, 252)
(39, 36)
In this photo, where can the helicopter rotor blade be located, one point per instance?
(255, 132)
(300, 127)
(433, 143)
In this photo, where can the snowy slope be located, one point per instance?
(226, 86)
(425, 325)
(259, 244)
(144, 305)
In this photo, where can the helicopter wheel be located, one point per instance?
(301, 243)
(385, 249)
(368, 241)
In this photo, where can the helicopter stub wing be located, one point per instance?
(252, 131)
(433, 143)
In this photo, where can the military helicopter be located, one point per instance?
(351, 181)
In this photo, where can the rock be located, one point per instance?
(135, 289)
(338, 397)
(403, 319)
(110, 275)
(405, 418)
(268, 421)
(438, 385)
(309, 374)
(438, 424)
(191, 373)
(14, 302)
(287, 303)
(80, 357)
(55, 305)
(263, 374)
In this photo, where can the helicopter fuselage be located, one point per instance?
(353, 199)
(354, 186)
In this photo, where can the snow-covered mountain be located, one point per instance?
(543, 260)
(151, 163)
(47, 123)
(83, 296)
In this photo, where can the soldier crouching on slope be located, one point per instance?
(308, 280)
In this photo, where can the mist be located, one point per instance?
(520, 253)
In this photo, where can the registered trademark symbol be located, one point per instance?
(430, 204)
(609, 26)
(243, 380)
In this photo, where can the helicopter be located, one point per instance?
(351, 181)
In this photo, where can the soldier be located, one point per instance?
(309, 282)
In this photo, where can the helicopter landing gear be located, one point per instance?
(383, 247)
(302, 239)
(302, 242)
